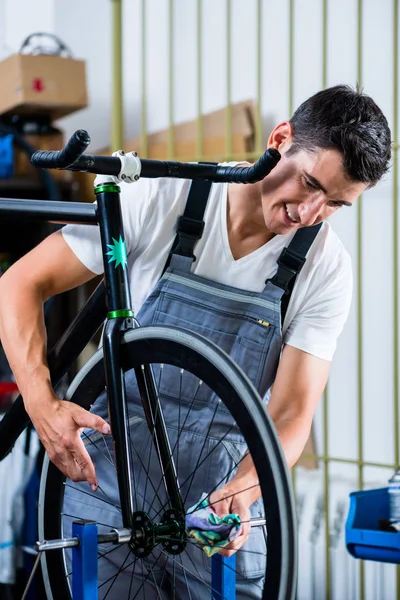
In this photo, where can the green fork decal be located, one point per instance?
(118, 253)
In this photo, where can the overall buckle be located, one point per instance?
(189, 232)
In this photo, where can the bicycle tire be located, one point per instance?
(189, 351)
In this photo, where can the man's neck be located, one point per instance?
(245, 222)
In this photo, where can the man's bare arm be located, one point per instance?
(299, 384)
(49, 269)
(300, 381)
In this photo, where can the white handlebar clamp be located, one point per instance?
(130, 169)
(130, 166)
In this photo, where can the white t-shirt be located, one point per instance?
(322, 294)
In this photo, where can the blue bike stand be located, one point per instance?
(223, 577)
(84, 567)
(84, 561)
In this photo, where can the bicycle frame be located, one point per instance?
(116, 297)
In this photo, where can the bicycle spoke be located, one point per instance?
(201, 546)
(170, 461)
(199, 506)
(185, 576)
(108, 450)
(92, 496)
(177, 442)
(199, 465)
(97, 448)
(226, 497)
(76, 517)
(144, 589)
(28, 585)
(220, 441)
(144, 451)
(113, 577)
(131, 582)
(187, 414)
(99, 555)
(164, 573)
(153, 435)
(106, 495)
(148, 478)
(236, 572)
(198, 577)
(109, 551)
(202, 448)
(147, 576)
(147, 471)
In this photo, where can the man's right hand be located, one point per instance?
(59, 424)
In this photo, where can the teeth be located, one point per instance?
(289, 215)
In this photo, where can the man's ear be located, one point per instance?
(281, 136)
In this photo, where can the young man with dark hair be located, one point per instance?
(336, 145)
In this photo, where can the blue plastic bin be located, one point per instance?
(363, 537)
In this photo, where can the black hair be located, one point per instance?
(347, 120)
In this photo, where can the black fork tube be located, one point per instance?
(156, 424)
(118, 412)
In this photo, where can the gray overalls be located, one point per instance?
(247, 326)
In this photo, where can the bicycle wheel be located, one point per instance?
(213, 416)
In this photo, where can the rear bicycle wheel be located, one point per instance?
(213, 416)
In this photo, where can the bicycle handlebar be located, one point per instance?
(71, 158)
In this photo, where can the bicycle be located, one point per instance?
(138, 357)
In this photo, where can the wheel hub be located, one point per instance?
(169, 532)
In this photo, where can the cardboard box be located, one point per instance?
(213, 144)
(42, 84)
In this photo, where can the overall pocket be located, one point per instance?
(245, 339)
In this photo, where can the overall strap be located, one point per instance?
(291, 262)
(190, 224)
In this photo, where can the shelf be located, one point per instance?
(35, 186)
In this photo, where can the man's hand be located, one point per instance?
(235, 497)
(58, 425)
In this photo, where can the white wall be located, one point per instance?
(21, 18)
(86, 27)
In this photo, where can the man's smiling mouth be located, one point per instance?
(292, 219)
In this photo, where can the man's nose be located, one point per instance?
(310, 210)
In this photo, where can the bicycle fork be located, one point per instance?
(119, 418)
(120, 317)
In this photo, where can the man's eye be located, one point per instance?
(310, 185)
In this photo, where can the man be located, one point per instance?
(336, 145)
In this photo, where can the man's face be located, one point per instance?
(304, 189)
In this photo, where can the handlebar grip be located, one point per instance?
(60, 159)
(252, 174)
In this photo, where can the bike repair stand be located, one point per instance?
(84, 567)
